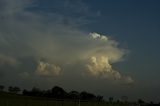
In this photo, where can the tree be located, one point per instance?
(10, 89)
(14, 89)
(124, 98)
(25, 92)
(48, 93)
(17, 89)
(110, 99)
(58, 92)
(140, 101)
(73, 95)
(118, 101)
(36, 92)
(1, 87)
(151, 102)
(87, 96)
(99, 98)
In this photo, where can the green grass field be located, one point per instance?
(7, 99)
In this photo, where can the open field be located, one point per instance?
(7, 99)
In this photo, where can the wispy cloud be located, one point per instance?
(7, 60)
(10, 7)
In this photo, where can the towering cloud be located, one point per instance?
(46, 69)
(30, 35)
(100, 67)
(100, 62)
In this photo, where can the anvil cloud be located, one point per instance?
(53, 45)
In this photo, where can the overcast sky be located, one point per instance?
(104, 47)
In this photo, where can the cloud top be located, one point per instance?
(98, 36)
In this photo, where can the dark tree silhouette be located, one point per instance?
(140, 101)
(151, 102)
(17, 89)
(25, 92)
(36, 92)
(110, 99)
(58, 92)
(1, 87)
(124, 98)
(118, 101)
(48, 93)
(73, 95)
(14, 89)
(10, 89)
(87, 96)
(99, 98)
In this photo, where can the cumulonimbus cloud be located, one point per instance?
(96, 52)
(58, 43)
(100, 63)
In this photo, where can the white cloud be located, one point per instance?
(100, 67)
(47, 69)
(98, 36)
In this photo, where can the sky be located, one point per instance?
(106, 47)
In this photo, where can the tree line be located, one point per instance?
(56, 92)
(11, 89)
(59, 93)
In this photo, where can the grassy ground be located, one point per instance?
(7, 99)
